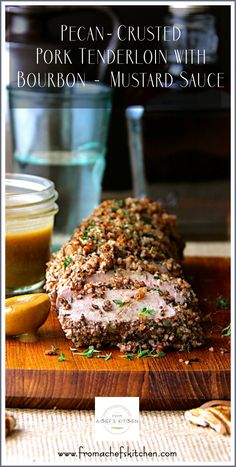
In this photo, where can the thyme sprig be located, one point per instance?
(128, 356)
(89, 353)
(147, 311)
(226, 331)
(143, 354)
(106, 357)
(147, 353)
(67, 261)
(62, 357)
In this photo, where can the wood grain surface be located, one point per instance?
(36, 380)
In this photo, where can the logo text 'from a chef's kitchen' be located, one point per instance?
(116, 417)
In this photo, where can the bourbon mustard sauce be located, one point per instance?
(30, 211)
(27, 254)
(25, 314)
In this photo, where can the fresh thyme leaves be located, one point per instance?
(120, 203)
(89, 353)
(62, 357)
(128, 356)
(106, 357)
(146, 353)
(119, 303)
(147, 311)
(85, 237)
(52, 351)
(67, 261)
(226, 331)
(222, 302)
(159, 354)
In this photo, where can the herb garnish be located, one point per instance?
(226, 331)
(156, 277)
(85, 236)
(89, 352)
(160, 354)
(147, 353)
(106, 357)
(121, 203)
(62, 357)
(222, 302)
(147, 311)
(67, 261)
(119, 303)
(52, 351)
(143, 354)
(128, 356)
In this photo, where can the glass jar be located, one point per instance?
(30, 211)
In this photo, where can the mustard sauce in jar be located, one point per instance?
(30, 211)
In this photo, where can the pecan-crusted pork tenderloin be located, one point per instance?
(118, 282)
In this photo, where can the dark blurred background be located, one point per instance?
(186, 132)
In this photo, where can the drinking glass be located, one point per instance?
(62, 135)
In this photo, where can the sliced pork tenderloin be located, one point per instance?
(118, 281)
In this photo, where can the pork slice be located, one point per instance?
(169, 268)
(121, 304)
(122, 312)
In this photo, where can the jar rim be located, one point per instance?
(23, 190)
(29, 181)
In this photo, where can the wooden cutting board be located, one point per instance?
(36, 380)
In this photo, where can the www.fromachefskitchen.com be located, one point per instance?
(123, 452)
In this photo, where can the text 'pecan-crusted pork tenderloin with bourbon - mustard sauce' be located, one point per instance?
(117, 281)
